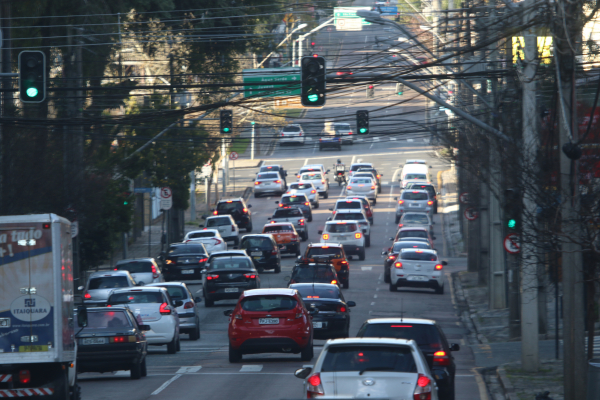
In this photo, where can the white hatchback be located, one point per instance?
(417, 268)
(211, 238)
(347, 233)
(292, 134)
(226, 226)
(305, 188)
(318, 180)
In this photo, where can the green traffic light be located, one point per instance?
(125, 202)
(32, 92)
(512, 223)
(225, 129)
(363, 130)
(313, 97)
(400, 93)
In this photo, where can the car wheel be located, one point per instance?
(144, 369)
(397, 219)
(278, 266)
(195, 334)
(208, 303)
(449, 394)
(172, 346)
(375, 201)
(386, 277)
(307, 353)
(256, 195)
(136, 370)
(249, 227)
(379, 189)
(178, 344)
(439, 290)
(393, 288)
(372, 221)
(309, 217)
(346, 283)
(326, 195)
(361, 254)
(317, 205)
(235, 356)
(305, 236)
(368, 240)
(236, 241)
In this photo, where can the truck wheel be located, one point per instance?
(136, 370)
(144, 369)
(62, 390)
(235, 356)
(171, 348)
(76, 392)
(361, 254)
(368, 240)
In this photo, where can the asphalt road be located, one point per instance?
(202, 369)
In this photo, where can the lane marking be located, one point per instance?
(366, 268)
(410, 140)
(251, 368)
(185, 370)
(305, 161)
(199, 291)
(373, 303)
(374, 296)
(167, 383)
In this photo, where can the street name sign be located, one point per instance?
(272, 82)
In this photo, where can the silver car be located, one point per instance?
(143, 270)
(363, 186)
(414, 200)
(342, 129)
(415, 219)
(101, 284)
(189, 319)
(268, 183)
(292, 134)
(306, 188)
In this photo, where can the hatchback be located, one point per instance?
(143, 270)
(415, 201)
(430, 338)
(263, 250)
(307, 189)
(226, 226)
(210, 238)
(392, 253)
(101, 284)
(377, 368)
(348, 234)
(429, 188)
(417, 268)
(292, 134)
(268, 183)
(227, 277)
(189, 318)
(297, 200)
(318, 180)
(285, 236)
(270, 321)
(184, 261)
(362, 186)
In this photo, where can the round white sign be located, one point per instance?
(30, 308)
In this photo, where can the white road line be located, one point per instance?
(353, 158)
(122, 373)
(372, 303)
(185, 370)
(374, 296)
(377, 290)
(199, 291)
(386, 183)
(167, 383)
(268, 198)
(410, 140)
(366, 268)
(371, 146)
(251, 368)
(306, 161)
(393, 138)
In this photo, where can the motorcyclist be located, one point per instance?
(340, 171)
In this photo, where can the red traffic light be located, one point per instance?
(312, 43)
(370, 86)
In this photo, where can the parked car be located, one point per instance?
(334, 252)
(392, 253)
(319, 181)
(100, 285)
(279, 323)
(189, 319)
(296, 200)
(238, 209)
(362, 186)
(285, 236)
(417, 268)
(415, 201)
(143, 270)
(263, 250)
(155, 308)
(333, 319)
(348, 234)
(226, 226)
(112, 341)
(307, 189)
(184, 261)
(430, 338)
(355, 215)
(227, 277)
(378, 368)
(269, 183)
(210, 238)
(292, 133)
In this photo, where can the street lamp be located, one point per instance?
(301, 26)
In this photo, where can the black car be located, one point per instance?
(184, 261)
(238, 209)
(296, 200)
(430, 189)
(317, 272)
(393, 252)
(113, 340)
(333, 319)
(431, 340)
(264, 251)
(227, 278)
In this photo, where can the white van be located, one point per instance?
(414, 172)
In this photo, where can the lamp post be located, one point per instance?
(301, 26)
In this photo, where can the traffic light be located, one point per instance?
(226, 122)
(362, 122)
(32, 76)
(512, 209)
(399, 89)
(370, 92)
(126, 198)
(313, 81)
(312, 45)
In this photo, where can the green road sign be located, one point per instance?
(278, 82)
(348, 12)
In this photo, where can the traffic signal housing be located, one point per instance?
(32, 76)
(226, 122)
(314, 81)
(399, 89)
(362, 122)
(370, 91)
(513, 210)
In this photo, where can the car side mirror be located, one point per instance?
(204, 216)
(80, 288)
(384, 253)
(430, 166)
(82, 316)
(178, 303)
(395, 198)
(351, 304)
(330, 209)
(444, 262)
(299, 258)
(212, 209)
(198, 299)
(227, 313)
(285, 173)
(454, 347)
(320, 231)
(145, 328)
(302, 373)
(249, 205)
(380, 174)
(433, 223)
(391, 239)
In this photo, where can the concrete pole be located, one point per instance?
(252, 143)
(293, 53)
(300, 52)
(193, 195)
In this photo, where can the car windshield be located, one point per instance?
(108, 282)
(269, 303)
(218, 221)
(176, 292)
(287, 213)
(340, 205)
(291, 129)
(269, 168)
(415, 196)
(201, 234)
(136, 298)
(334, 252)
(363, 181)
(312, 274)
(293, 199)
(420, 234)
(108, 319)
(261, 243)
(341, 228)
(187, 249)
(356, 167)
(230, 206)
(231, 263)
(312, 292)
(418, 256)
(278, 228)
(415, 176)
(267, 176)
(426, 336)
(135, 267)
(311, 176)
(301, 186)
(409, 245)
(369, 358)
(342, 127)
(415, 219)
(352, 216)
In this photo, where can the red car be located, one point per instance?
(270, 321)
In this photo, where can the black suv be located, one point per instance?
(320, 271)
(430, 189)
(431, 340)
(263, 250)
(238, 209)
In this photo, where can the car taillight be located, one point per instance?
(298, 176)
(232, 228)
(441, 358)
(398, 265)
(378, 176)
(400, 225)
(295, 238)
(307, 204)
(281, 204)
(277, 181)
(250, 276)
(244, 210)
(344, 263)
(257, 183)
(170, 262)
(123, 339)
(274, 251)
(322, 181)
(300, 134)
(372, 187)
(391, 257)
(87, 296)
(24, 376)
(349, 187)
(314, 387)
(429, 203)
(154, 273)
(334, 282)
(341, 309)
(212, 277)
(202, 260)
(116, 269)
(326, 236)
(238, 316)
(358, 235)
(423, 388)
(301, 222)
(439, 266)
(282, 134)
(217, 241)
(350, 133)
(400, 201)
(215, 213)
(164, 309)
(313, 191)
(189, 304)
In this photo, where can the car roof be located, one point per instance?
(411, 190)
(139, 289)
(422, 321)
(415, 161)
(231, 200)
(113, 308)
(413, 228)
(228, 216)
(324, 245)
(370, 340)
(310, 284)
(110, 273)
(348, 200)
(279, 224)
(227, 252)
(272, 165)
(349, 210)
(128, 260)
(203, 230)
(269, 292)
(431, 251)
(265, 235)
(162, 284)
(348, 221)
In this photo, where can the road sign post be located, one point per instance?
(166, 198)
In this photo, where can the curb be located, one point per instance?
(507, 387)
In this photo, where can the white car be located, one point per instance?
(306, 188)
(363, 186)
(269, 183)
(143, 270)
(356, 166)
(318, 180)
(411, 219)
(417, 268)
(292, 133)
(189, 318)
(154, 307)
(312, 168)
(376, 368)
(226, 226)
(355, 215)
(211, 238)
(347, 233)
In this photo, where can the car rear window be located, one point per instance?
(415, 219)
(342, 127)
(301, 186)
(409, 245)
(267, 176)
(311, 292)
(278, 228)
(317, 273)
(415, 176)
(421, 234)
(136, 298)
(269, 303)
(369, 358)
(364, 181)
(108, 319)
(294, 199)
(176, 292)
(262, 243)
(356, 167)
(230, 206)
(418, 256)
(415, 196)
(108, 282)
(311, 176)
(269, 168)
(187, 249)
(135, 267)
(426, 336)
(335, 252)
(230, 263)
(287, 213)
(202, 234)
(352, 216)
(341, 228)
(218, 222)
(291, 129)
(347, 204)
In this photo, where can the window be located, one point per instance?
(267, 176)
(413, 255)
(416, 176)
(369, 358)
(135, 267)
(231, 263)
(257, 243)
(176, 292)
(419, 234)
(311, 176)
(201, 234)
(218, 222)
(306, 274)
(108, 282)
(186, 249)
(278, 228)
(335, 252)
(352, 216)
(136, 298)
(341, 228)
(269, 303)
(269, 168)
(356, 167)
(415, 219)
(363, 181)
(409, 245)
(341, 205)
(108, 319)
(415, 196)
(426, 336)
(230, 207)
(287, 213)
(291, 200)
(291, 129)
(310, 292)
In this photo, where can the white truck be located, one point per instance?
(38, 351)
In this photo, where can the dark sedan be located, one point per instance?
(184, 261)
(317, 272)
(227, 278)
(333, 319)
(264, 251)
(393, 252)
(112, 341)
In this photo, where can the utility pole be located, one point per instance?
(193, 195)
(7, 97)
(252, 143)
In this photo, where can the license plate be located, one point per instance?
(94, 341)
(419, 278)
(416, 205)
(231, 290)
(268, 321)
(187, 271)
(317, 325)
(256, 253)
(267, 184)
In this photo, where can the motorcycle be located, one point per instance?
(340, 174)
